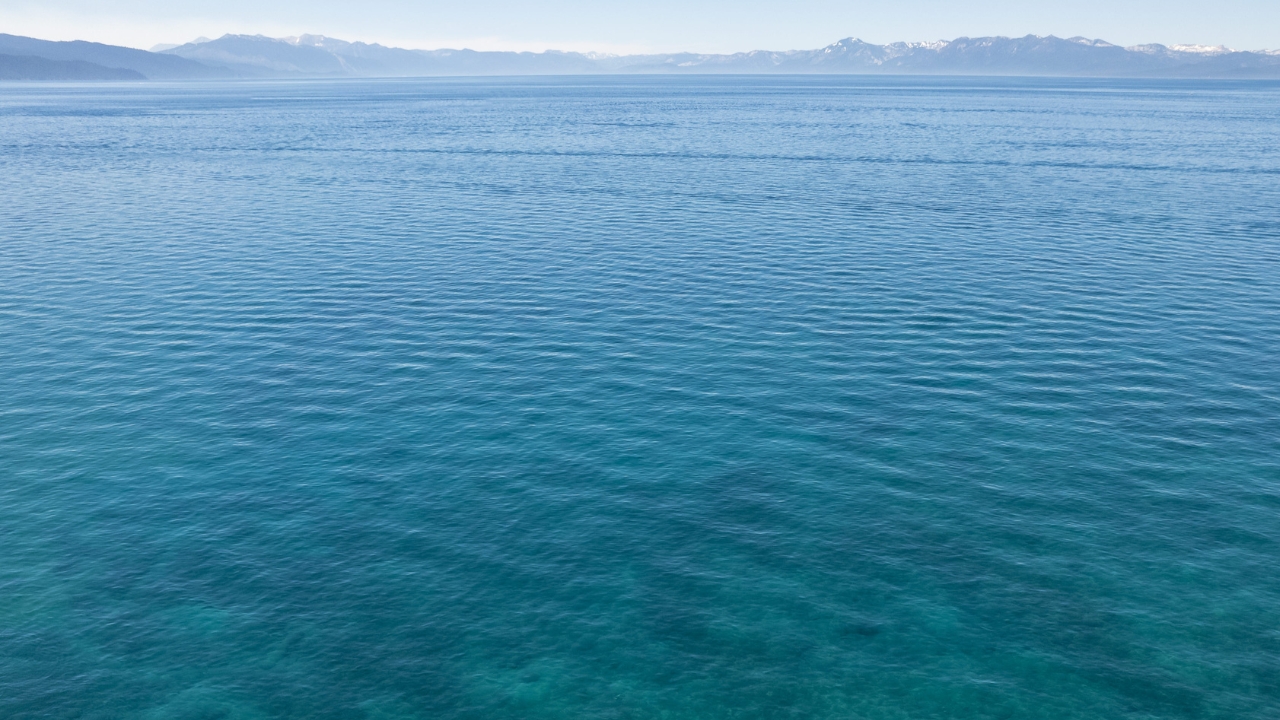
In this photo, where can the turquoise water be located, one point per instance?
(640, 398)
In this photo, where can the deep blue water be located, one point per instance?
(640, 398)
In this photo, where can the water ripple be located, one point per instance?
(681, 397)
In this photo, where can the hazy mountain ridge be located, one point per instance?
(257, 56)
(142, 64)
(1029, 55)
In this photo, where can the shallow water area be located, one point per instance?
(640, 397)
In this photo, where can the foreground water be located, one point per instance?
(645, 398)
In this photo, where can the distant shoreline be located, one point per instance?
(313, 56)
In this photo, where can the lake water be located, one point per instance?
(640, 398)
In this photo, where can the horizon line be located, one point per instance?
(618, 51)
(605, 49)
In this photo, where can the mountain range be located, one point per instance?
(256, 56)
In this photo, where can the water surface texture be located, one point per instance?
(640, 398)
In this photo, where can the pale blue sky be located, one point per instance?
(656, 25)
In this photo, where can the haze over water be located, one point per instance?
(640, 398)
